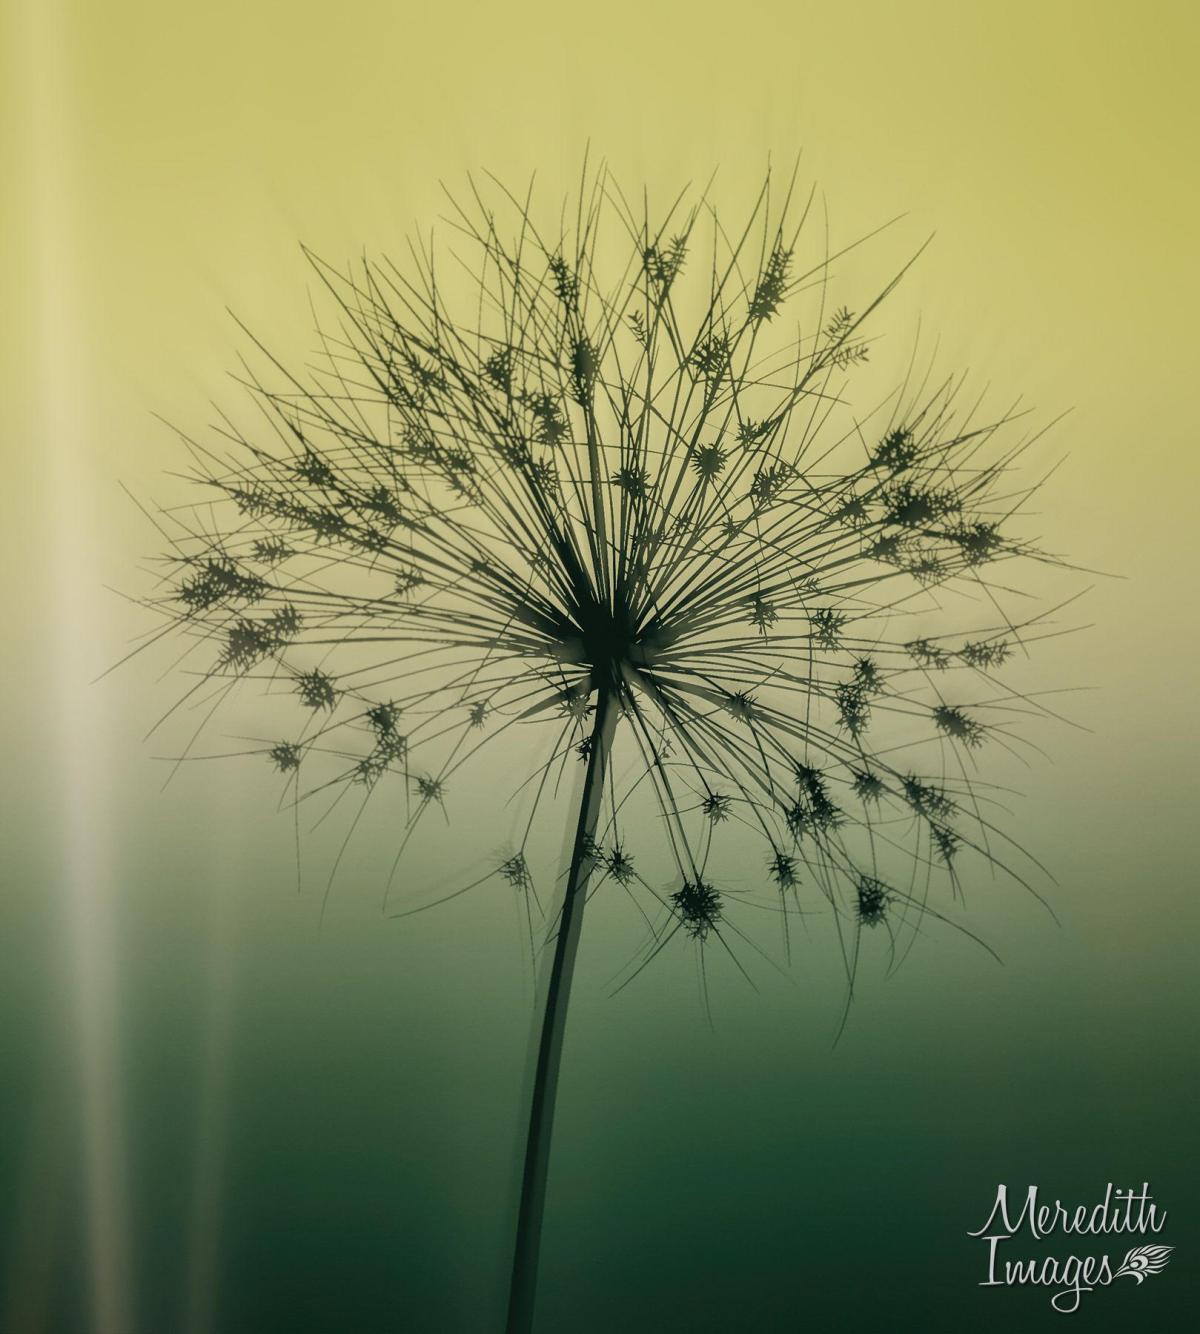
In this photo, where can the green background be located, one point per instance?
(218, 1118)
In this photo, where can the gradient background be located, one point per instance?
(215, 1118)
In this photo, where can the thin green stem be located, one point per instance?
(523, 1287)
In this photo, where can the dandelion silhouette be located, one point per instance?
(617, 494)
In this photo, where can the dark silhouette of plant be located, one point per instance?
(604, 482)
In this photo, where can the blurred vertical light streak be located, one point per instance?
(60, 384)
(209, 1164)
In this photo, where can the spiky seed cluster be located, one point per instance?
(873, 899)
(716, 805)
(516, 871)
(285, 757)
(619, 864)
(619, 465)
(782, 869)
(698, 907)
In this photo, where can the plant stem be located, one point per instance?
(523, 1287)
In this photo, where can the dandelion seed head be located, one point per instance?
(615, 495)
